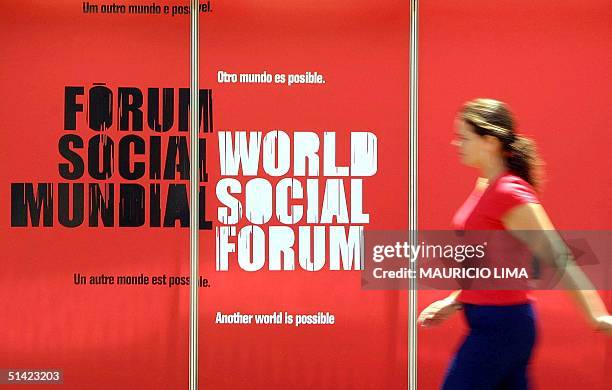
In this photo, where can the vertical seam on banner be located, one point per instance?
(194, 90)
(413, 192)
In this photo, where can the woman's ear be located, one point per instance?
(493, 143)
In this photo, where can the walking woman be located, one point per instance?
(497, 350)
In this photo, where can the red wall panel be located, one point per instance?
(550, 62)
(137, 337)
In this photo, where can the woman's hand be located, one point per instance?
(438, 311)
(604, 324)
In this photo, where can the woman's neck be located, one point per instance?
(493, 171)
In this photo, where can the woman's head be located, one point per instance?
(486, 129)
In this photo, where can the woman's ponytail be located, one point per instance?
(522, 159)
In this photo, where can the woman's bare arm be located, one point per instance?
(547, 245)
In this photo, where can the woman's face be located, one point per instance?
(470, 145)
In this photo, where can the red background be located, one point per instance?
(131, 337)
(548, 61)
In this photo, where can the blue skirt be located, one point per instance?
(496, 352)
